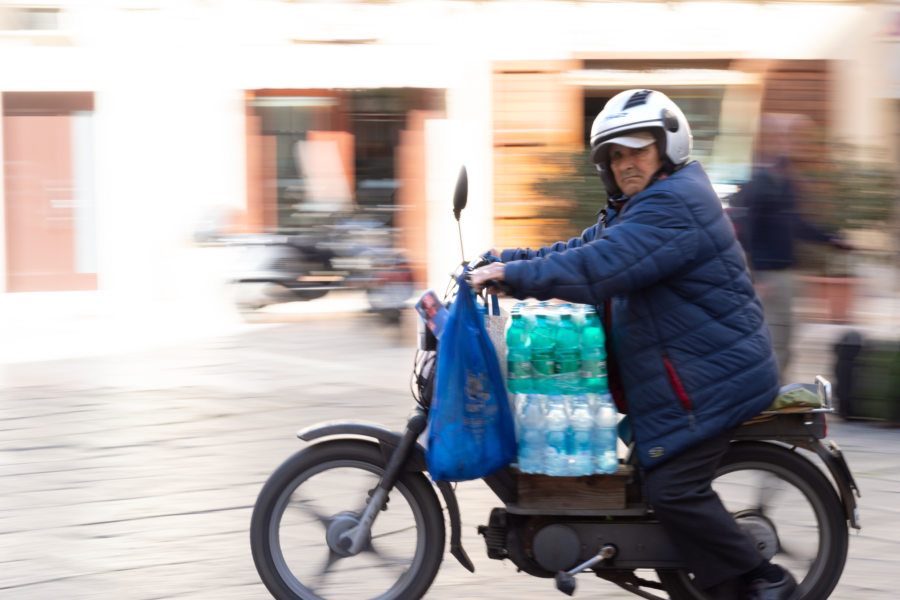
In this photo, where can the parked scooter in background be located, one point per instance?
(338, 251)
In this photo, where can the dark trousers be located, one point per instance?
(693, 516)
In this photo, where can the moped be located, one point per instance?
(352, 251)
(354, 515)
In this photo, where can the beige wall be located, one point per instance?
(171, 143)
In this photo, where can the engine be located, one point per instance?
(540, 546)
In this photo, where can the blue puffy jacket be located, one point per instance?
(683, 321)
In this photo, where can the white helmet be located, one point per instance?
(634, 111)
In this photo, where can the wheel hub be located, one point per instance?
(761, 532)
(340, 524)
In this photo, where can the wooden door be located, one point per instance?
(45, 210)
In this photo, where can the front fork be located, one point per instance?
(355, 538)
(403, 453)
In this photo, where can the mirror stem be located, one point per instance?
(459, 228)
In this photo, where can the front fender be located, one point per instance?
(389, 440)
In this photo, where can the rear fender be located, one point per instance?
(388, 440)
(833, 458)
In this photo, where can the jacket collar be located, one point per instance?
(615, 205)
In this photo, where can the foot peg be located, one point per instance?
(565, 580)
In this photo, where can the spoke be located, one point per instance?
(388, 560)
(386, 557)
(382, 551)
(769, 488)
(319, 578)
(387, 533)
(306, 507)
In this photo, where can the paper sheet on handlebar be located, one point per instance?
(432, 311)
(471, 432)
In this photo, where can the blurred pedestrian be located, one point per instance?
(772, 223)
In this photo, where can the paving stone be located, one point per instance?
(132, 475)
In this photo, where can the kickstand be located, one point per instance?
(565, 580)
(631, 583)
(630, 587)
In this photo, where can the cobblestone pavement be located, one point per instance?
(131, 474)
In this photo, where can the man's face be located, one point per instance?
(632, 168)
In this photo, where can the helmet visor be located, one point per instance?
(637, 139)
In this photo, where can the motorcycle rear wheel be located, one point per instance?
(795, 511)
(318, 493)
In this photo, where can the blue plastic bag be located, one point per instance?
(471, 432)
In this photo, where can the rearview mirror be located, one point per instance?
(461, 193)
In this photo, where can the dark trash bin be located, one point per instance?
(867, 378)
(846, 351)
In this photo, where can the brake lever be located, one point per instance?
(477, 263)
(482, 261)
(499, 284)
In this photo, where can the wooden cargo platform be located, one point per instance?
(586, 492)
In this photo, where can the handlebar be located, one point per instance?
(480, 261)
(484, 260)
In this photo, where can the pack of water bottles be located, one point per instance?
(566, 421)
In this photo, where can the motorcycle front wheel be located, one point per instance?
(318, 494)
(789, 510)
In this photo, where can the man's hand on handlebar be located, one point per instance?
(490, 277)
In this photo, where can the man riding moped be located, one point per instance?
(690, 357)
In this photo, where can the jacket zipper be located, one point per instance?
(679, 389)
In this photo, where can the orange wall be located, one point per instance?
(40, 205)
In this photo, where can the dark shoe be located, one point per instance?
(761, 589)
(727, 590)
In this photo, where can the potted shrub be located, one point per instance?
(852, 193)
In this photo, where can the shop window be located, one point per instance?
(314, 153)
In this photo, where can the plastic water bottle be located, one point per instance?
(578, 312)
(582, 426)
(593, 354)
(566, 353)
(558, 433)
(607, 436)
(532, 435)
(518, 355)
(542, 344)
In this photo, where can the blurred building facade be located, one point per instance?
(135, 129)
